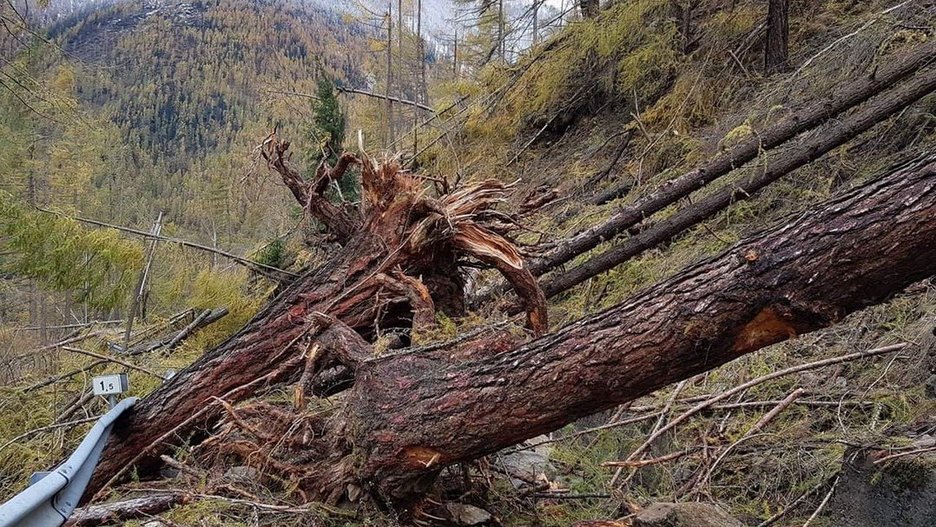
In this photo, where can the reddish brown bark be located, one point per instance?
(373, 281)
(310, 195)
(410, 415)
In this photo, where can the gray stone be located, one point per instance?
(167, 472)
(684, 515)
(931, 387)
(463, 514)
(924, 441)
(354, 492)
(528, 465)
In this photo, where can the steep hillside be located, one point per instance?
(610, 110)
(591, 123)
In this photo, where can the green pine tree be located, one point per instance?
(326, 135)
(328, 125)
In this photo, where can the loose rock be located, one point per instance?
(684, 515)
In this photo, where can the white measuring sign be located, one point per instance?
(110, 384)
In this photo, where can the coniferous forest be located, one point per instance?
(643, 263)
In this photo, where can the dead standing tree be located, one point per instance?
(408, 415)
(590, 8)
(776, 49)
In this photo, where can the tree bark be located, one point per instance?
(413, 414)
(371, 283)
(799, 121)
(536, 8)
(879, 109)
(122, 511)
(590, 8)
(390, 129)
(778, 32)
(410, 414)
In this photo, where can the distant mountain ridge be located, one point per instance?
(438, 15)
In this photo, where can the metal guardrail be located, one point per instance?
(50, 501)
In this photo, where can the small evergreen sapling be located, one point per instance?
(326, 134)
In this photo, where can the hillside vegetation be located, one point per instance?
(136, 111)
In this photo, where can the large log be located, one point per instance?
(410, 415)
(807, 117)
(370, 282)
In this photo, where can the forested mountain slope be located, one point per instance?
(187, 82)
(180, 94)
(185, 78)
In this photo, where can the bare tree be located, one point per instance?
(390, 127)
(536, 8)
(590, 8)
(776, 50)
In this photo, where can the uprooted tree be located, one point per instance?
(398, 263)
(407, 415)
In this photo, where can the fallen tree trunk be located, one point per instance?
(877, 110)
(170, 342)
(619, 190)
(410, 415)
(616, 158)
(355, 91)
(797, 122)
(273, 273)
(371, 283)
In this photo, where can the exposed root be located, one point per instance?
(425, 235)
(288, 449)
(402, 239)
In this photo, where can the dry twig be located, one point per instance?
(760, 380)
(822, 505)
